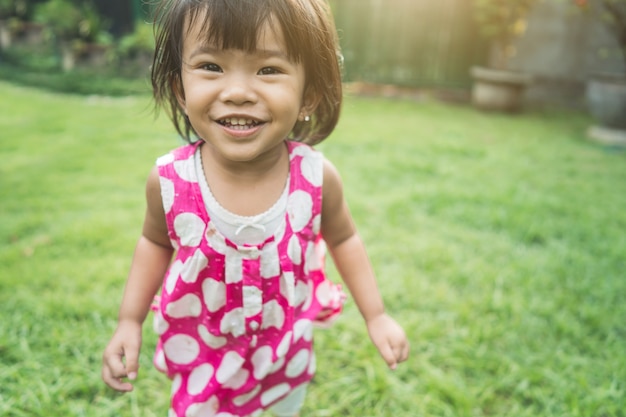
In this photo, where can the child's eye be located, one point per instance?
(211, 67)
(269, 71)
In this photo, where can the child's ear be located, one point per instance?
(309, 104)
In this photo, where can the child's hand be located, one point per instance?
(120, 358)
(389, 338)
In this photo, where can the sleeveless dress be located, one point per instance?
(235, 322)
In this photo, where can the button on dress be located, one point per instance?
(235, 322)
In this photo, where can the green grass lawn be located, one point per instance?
(499, 243)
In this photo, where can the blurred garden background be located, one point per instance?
(498, 234)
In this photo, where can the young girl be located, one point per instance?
(238, 220)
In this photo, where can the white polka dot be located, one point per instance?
(210, 339)
(242, 399)
(189, 228)
(205, 409)
(283, 346)
(165, 159)
(294, 250)
(215, 239)
(233, 322)
(298, 364)
(312, 169)
(287, 287)
(273, 315)
(308, 300)
(181, 349)
(172, 276)
(319, 253)
(238, 380)
(186, 169)
(320, 248)
(187, 306)
(199, 379)
(262, 362)
(167, 194)
(231, 363)
(303, 329)
(301, 293)
(314, 258)
(177, 382)
(277, 366)
(274, 394)
(193, 265)
(301, 150)
(323, 293)
(159, 360)
(270, 265)
(317, 224)
(252, 300)
(159, 324)
(299, 210)
(214, 294)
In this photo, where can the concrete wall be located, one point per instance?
(561, 48)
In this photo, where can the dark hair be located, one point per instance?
(310, 37)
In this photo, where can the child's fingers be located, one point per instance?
(112, 361)
(114, 369)
(390, 340)
(115, 382)
(401, 351)
(388, 355)
(132, 361)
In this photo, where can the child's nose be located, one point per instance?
(238, 89)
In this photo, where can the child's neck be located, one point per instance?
(246, 188)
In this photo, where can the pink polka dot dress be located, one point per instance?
(235, 322)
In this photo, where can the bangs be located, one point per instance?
(237, 24)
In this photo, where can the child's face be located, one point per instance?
(243, 104)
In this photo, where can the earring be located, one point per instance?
(307, 118)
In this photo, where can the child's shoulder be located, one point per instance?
(303, 150)
(177, 154)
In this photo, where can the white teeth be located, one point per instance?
(234, 121)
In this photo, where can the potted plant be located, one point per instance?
(606, 92)
(77, 27)
(500, 22)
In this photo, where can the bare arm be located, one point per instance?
(352, 262)
(152, 257)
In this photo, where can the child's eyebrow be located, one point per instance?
(263, 53)
(272, 53)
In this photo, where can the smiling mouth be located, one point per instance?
(238, 123)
